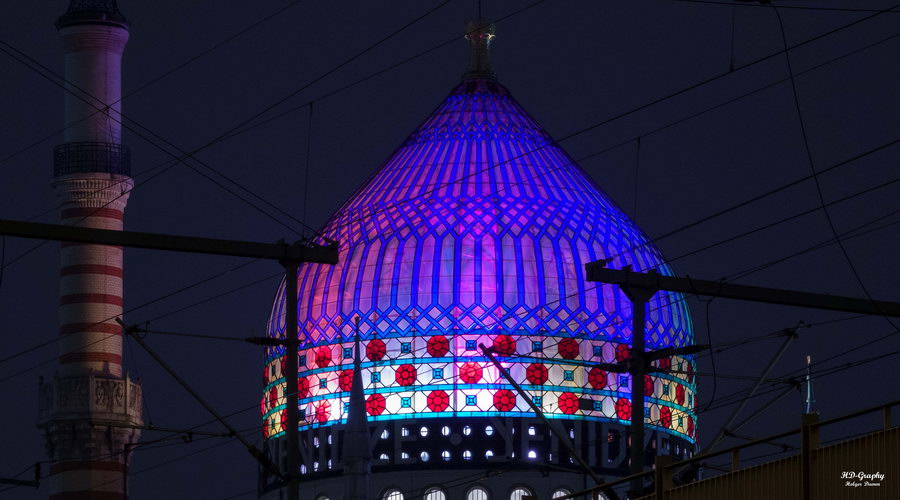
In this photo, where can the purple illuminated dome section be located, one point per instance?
(476, 231)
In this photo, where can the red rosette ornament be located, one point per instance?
(438, 401)
(375, 404)
(568, 403)
(375, 350)
(567, 348)
(504, 345)
(323, 356)
(405, 375)
(536, 373)
(438, 346)
(470, 373)
(504, 400)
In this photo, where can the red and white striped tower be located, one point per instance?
(90, 408)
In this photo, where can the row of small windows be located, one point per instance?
(474, 493)
(445, 431)
(466, 455)
(466, 430)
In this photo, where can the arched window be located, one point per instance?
(520, 492)
(424, 456)
(477, 493)
(561, 493)
(423, 431)
(322, 497)
(435, 494)
(392, 494)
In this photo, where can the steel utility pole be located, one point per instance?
(638, 365)
(291, 345)
(639, 287)
(638, 370)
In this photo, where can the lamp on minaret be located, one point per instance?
(89, 409)
(357, 454)
(480, 34)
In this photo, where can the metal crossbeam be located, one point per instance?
(597, 272)
(155, 241)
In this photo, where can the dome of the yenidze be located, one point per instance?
(477, 231)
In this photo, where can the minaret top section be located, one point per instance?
(92, 12)
(480, 34)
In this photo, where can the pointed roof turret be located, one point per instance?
(480, 34)
(356, 453)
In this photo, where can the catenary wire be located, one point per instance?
(341, 89)
(136, 308)
(163, 75)
(144, 133)
(109, 336)
(720, 213)
(841, 28)
(796, 7)
(740, 97)
(185, 154)
(812, 168)
(595, 125)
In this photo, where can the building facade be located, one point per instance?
(475, 233)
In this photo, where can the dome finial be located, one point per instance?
(480, 33)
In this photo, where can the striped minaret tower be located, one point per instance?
(90, 408)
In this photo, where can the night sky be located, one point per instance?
(571, 64)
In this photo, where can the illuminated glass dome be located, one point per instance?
(477, 230)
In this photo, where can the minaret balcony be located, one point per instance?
(91, 157)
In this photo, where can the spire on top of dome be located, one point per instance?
(480, 34)
(92, 12)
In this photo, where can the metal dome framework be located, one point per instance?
(477, 230)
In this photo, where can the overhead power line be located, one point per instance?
(812, 168)
(144, 133)
(791, 7)
(593, 126)
(107, 337)
(100, 106)
(160, 77)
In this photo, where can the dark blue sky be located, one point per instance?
(571, 64)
